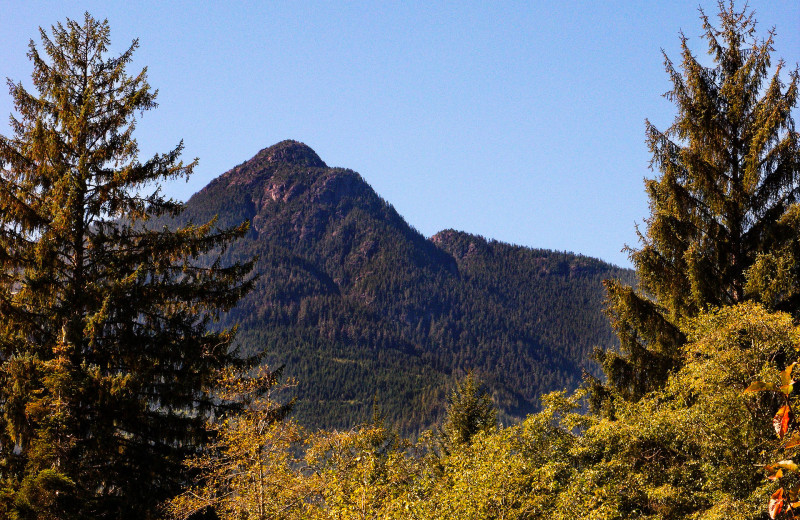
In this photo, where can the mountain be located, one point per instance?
(363, 309)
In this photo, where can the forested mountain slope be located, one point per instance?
(361, 308)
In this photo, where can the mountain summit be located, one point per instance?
(291, 152)
(358, 305)
(286, 154)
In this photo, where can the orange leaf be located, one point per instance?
(776, 503)
(775, 476)
(781, 421)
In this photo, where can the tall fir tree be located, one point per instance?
(106, 356)
(722, 206)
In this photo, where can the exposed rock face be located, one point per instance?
(285, 154)
(291, 152)
(463, 246)
(286, 177)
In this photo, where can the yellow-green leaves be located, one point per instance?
(248, 472)
(787, 383)
(788, 465)
(793, 441)
(760, 386)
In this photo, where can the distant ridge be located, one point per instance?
(359, 306)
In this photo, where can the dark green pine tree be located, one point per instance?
(722, 206)
(106, 357)
(470, 410)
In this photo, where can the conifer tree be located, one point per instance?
(105, 351)
(469, 411)
(722, 204)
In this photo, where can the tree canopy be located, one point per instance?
(722, 205)
(116, 394)
(106, 356)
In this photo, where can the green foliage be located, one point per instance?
(359, 474)
(469, 411)
(247, 471)
(773, 277)
(696, 449)
(105, 349)
(785, 501)
(511, 472)
(692, 450)
(721, 206)
(723, 229)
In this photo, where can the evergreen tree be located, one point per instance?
(105, 353)
(470, 410)
(722, 204)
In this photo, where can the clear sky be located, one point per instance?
(519, 121)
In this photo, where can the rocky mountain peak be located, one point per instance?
(291, 152)
(288, 154)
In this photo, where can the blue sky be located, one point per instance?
(520, 121)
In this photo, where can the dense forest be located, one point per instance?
(359, 306)
(125, 393)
